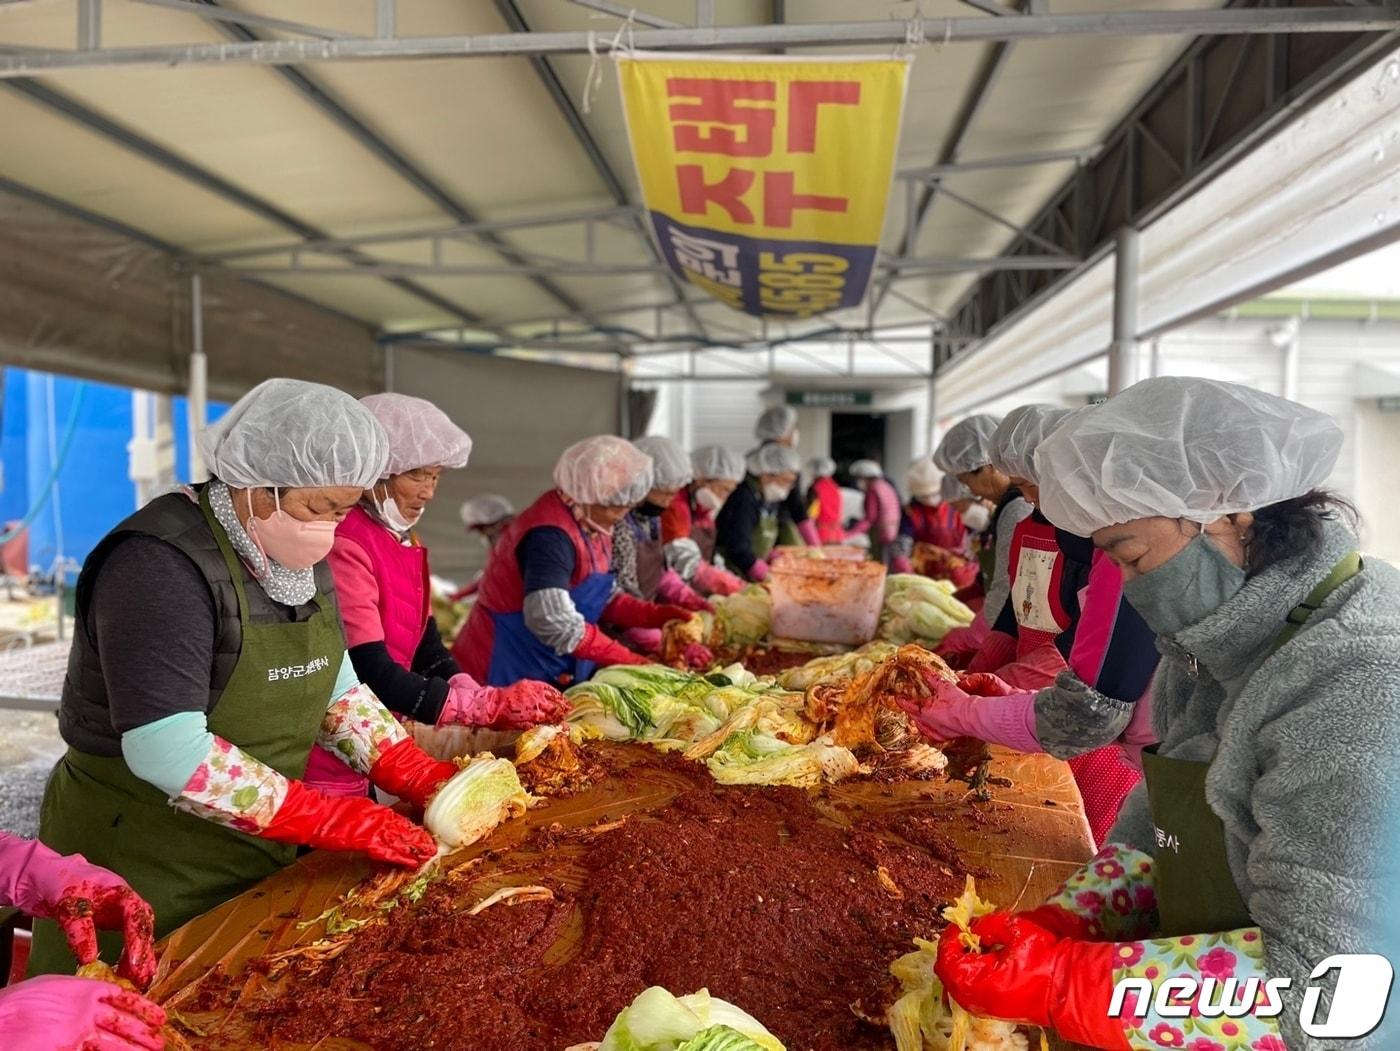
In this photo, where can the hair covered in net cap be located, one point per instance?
(823, 467)
(1180, 447)
(776, 423)
(604, 470)
(292, 434)
(774, 459)
(967, 446)
(950, 489)
(716, 463)
(486, 509)
(923, 477)
(420, 434)
(1019, 435)
(866, 469)
(670, 466)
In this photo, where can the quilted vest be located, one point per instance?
(402, 573)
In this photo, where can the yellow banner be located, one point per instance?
(766, 179)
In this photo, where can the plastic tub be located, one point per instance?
(827, 600)
(837, 552)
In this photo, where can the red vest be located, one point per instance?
(502, 587)
(940, 525)
(402, 574)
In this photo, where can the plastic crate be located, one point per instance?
(827, 600)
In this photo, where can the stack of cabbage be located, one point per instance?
(658, 1021)
(918, 609)
(748, 731)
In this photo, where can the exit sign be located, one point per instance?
(829, 399)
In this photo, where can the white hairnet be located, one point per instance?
(293, 434)
(604, 470)
(1182, 447)
(669, 464)
(775, 423)
(923, 477)
(420, 434)
(774, 459)
(1019, 435)
(952, 490)
(866, 469)
(822, 467)
(967, 446)
(716, 463)
(486, 509)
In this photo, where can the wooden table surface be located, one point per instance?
(1039, 836)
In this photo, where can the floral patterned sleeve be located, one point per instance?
(358, 728)
(230, 787)
(1115, 893)
(1233, 954)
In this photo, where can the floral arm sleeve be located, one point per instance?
(358, 728)
(1113, 896)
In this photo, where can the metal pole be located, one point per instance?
(624, 398)
(932, 386)
(1125, 311)
(389, 364)
(199, 381)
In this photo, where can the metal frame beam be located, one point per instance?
(1230, 21)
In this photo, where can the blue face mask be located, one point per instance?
(1186, 588)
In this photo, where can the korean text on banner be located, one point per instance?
(766, 179)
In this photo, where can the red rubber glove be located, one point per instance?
(900, 564)
(516, 707)
(58, 1012)
(985, 684)
(1027, 974)
(628, 612)
(1062, 923)
(698, 657)
(602, 650)
(354, 823)
(405, 770)
(997, 648)
(82, 898)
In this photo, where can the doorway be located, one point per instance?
(856, 436)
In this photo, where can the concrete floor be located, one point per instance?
(29, 747)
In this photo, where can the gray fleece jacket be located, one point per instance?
(1305, 745)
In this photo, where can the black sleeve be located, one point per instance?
(415, 696)
(152, 619)
(1006, 620)
(734, 528)
(546, 559)
(795, 507)
(433, 659)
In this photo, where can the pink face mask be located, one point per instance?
(289, 541)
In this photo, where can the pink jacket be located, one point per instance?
(882, 511)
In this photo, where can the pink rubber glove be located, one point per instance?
(758, 571)
(517, 707)
(807, 530)
(715, 581)
(997, 649)
(964, 640)
(900, 564)
(1008, 720)
(81, 897)
(643, 640)
(61, 1013)
(677, 592)
(985, 684)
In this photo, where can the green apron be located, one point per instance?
(184, 865)
(1196, 892)
(768, 531)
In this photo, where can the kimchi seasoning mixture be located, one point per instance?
(755, 893)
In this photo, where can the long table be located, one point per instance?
(1039, 837)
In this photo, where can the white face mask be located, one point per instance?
(929, 499)
(775, 493)
(976, 518)
(390, 515)
(708, 500)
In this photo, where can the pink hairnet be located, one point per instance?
(420, 434)
(604, 470)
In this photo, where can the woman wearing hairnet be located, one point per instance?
(382, 582)
(882, 513)
(484, 517)
(208, 661)
(1257, 846)
(549, 584)
(778, 426)
(748, 524)
(824, 501)
(688, 526)
(966, 453)
(641, 557)
(935, 523)
(1067, 659)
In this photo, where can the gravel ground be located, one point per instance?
(29, 747)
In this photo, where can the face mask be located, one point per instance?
(647, 509)
(775, 493)
(708, 500)
(1186, 588)
(929, 501)
(389, 513)
(977, 518)
(289, 541)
